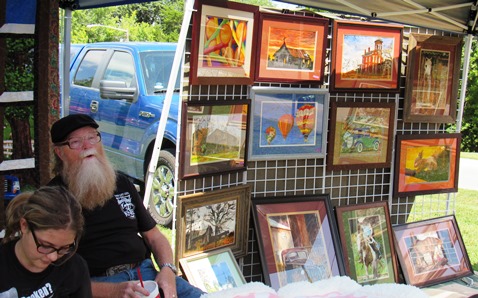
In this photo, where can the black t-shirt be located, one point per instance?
(111, 232)
(68, 280)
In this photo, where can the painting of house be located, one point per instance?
(367, 63)
(291, 58)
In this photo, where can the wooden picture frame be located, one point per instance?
(361, 135)
(218, 57)
(433, 73)
(365, 57)
(211, 220)
(291, 48)
(431, 251)
(213, 271)
(288, 123)
(426, 164)
(298, 239)
(213, 137)
(367, 242)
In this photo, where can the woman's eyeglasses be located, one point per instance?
(45, 249)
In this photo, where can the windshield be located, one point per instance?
(156, 67)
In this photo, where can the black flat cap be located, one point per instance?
(62, 128)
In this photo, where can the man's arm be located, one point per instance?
(115, 290)
(162, 253)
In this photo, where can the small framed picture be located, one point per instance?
(212, 220)
(222, 43)
(291, 48)
(365, 57)
(213, 137)
(433, 72)
(288, 123)
(427, 164)
(213, 271)
(298, 239)
(431, 251)
(367, 243)
(361, 135)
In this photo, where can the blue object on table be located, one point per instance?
(12, 188)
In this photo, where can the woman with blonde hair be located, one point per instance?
(37, 255)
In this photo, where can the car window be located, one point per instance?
(156, 68)
(87, 69)
(120, 68)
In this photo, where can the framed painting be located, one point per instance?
(211, 220)
(213, 137)
(298, 239)
(213, 271)
(431, 251)
(288, 123)
(427, 164)
(222, 43)
(291, 48)
(365, 57)
(361, 135)
(433, 72)
(367, 243)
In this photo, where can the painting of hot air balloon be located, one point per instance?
(224, 34)
(287, 123)
(306, 120)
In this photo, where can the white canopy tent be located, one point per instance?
(455, 16)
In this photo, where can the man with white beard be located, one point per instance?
(114, 215)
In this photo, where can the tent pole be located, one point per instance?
(188, 9)
(65, 77)
(464, 80)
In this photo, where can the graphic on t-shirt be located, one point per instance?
(124, 200)
(43, 292)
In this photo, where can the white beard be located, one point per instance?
(91, 180)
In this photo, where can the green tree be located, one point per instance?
(469, 129)
(19, 77)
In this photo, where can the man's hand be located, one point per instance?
(166, 280)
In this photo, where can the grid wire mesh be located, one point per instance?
(271, 178)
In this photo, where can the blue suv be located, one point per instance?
(123, 87)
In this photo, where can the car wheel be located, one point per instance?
(376, 145)
(359, 147)
(161, 200)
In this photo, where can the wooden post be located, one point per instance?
(47, 84)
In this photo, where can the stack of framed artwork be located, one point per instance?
(210, 235)
(314, 112)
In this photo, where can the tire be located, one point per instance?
(161, 201)
(359, 147)
(376, 145)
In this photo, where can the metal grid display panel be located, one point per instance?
(271, 178)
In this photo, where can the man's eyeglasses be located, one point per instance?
(45, 249)
(77, 142)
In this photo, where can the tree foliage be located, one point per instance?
(151, 21)
(469, 129)
(19, 77)
(148, 21)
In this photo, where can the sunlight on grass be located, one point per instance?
(470, 155)
(465, 204)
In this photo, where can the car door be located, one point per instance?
(84, 90)
(117, 117)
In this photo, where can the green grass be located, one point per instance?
(466, 210)
(470, 155)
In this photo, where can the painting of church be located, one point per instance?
(290, 58)
(375, 63)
